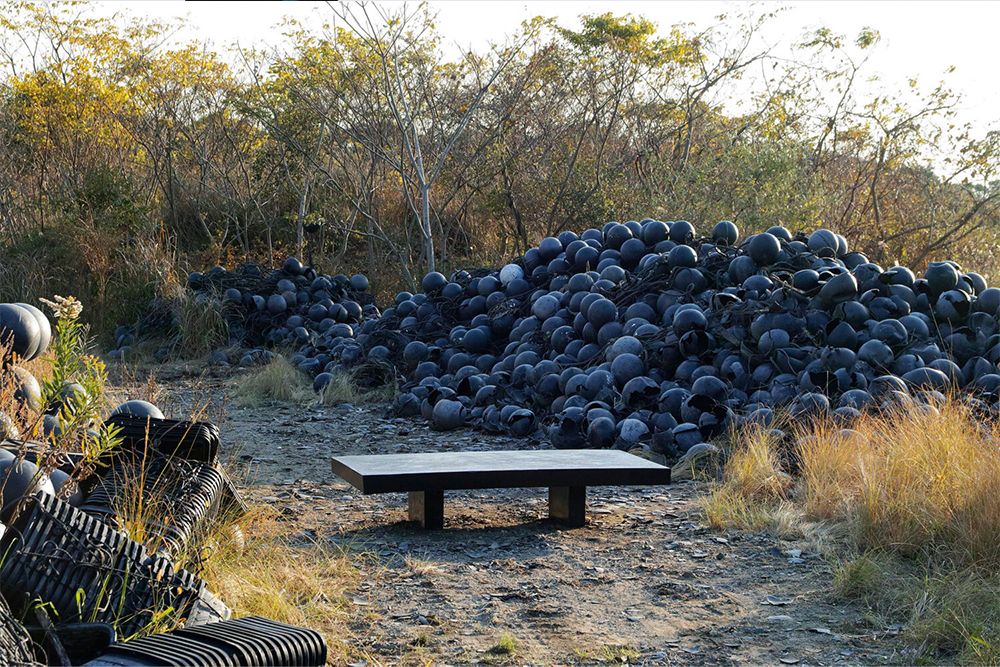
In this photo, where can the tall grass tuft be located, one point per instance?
(202, 324)
(278, 380)
(345, 387)
(910, 481)
(754, 485)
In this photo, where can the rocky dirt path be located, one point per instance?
(644, 582)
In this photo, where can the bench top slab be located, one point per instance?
(385, 473)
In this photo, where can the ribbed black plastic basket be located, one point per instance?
(89, 572)
(253, 641)
(196, 441)
(179, 498)
(155, 650)
(80, 642)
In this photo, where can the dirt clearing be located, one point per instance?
(644, 582)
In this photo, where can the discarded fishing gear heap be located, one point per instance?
(91, 576)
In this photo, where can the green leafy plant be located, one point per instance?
(77, 380)
(77, 383)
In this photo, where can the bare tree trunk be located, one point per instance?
(508, 184)
(425, 224)
(300, 222)
(307, 177)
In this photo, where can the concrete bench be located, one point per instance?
(566, 472)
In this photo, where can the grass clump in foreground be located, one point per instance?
(911, 502)
(506, 645)
(347, 387)
(503, 651)
(259, 570)
(278, 380)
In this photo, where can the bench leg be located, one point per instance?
(568, 504)
(427, 507)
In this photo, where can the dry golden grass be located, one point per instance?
(258, 570)
(908, 482)
(278, 380)
(422, 566)
(904, 482)
(753, 487)
(829, 472)
(910, 508)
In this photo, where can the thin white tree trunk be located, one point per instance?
(425, 224)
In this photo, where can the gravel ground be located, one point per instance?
(644, 582)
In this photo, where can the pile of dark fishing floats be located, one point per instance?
(284, 308)
(647, 335)
(637, 335)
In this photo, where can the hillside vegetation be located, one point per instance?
(128, 157)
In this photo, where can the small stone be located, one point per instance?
(776, 601)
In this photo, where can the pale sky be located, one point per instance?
(920, 39)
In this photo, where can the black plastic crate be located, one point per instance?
(196, 441)
(80, 642)
(16, 647)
